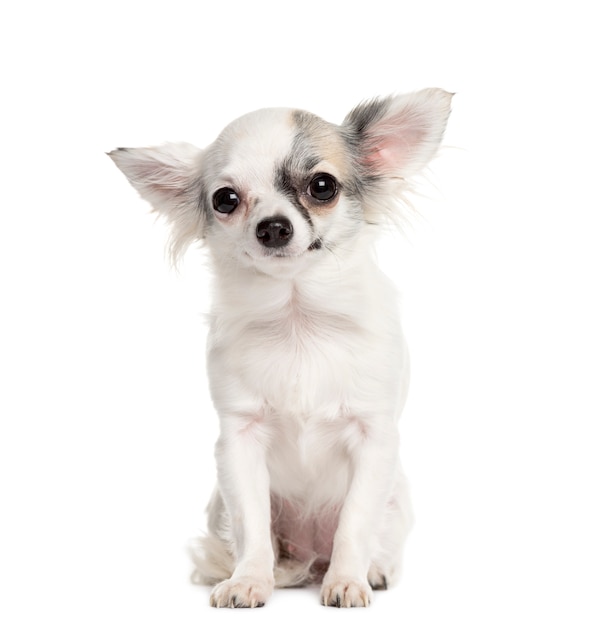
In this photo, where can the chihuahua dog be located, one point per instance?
(307, 364)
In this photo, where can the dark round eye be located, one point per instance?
(322, 187)
(225, 200)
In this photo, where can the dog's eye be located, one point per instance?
(322, 187)
(225, 200)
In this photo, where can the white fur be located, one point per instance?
(307, 363)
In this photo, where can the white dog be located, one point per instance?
(307, 363)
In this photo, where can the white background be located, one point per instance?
(106, 431)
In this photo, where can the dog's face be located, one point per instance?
(278, 187)
(281, 187)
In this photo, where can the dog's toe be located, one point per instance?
(377, 579)
(240, 593)
(345, 593)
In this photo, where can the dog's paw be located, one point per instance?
(342, 592)
(377, 579)
(238, 593)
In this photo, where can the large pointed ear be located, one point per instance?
(397, 136)
(168, 178)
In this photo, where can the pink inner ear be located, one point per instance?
(160, 178)
(381, 158)
(169, 180)
(394, 151)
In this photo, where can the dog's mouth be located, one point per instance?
(282, 262)
(281, 253)
(285, 253)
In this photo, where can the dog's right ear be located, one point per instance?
(168, 178)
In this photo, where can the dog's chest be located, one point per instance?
(301, 359)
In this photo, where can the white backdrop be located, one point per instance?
(106, 429)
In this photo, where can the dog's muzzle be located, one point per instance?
(275, 232)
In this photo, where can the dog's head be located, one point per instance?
(279, 187)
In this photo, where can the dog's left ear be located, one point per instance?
(397, 136)
(167, 177)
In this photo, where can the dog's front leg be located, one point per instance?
(244, 483)
(374, 462)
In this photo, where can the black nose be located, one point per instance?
(275, 232)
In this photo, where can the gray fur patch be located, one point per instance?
(289, 184)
